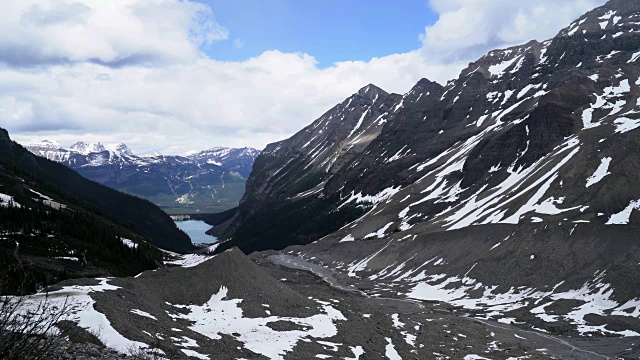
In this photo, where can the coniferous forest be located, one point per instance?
(41, 246)
(49, 233)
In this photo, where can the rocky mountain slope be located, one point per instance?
(509, 191)
(208, 181)
(509, 122)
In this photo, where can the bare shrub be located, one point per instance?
(151, 353)
(28, 325)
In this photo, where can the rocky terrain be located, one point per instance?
(509, 192)
(278, 306)
(204, 182)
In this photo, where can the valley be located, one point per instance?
(541, 343)
(494, 216)
(257, 308)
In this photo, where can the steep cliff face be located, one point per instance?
(516, 138)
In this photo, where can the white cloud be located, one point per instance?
(115, 33)
(467, 29)
(261, 100)
(69, 81)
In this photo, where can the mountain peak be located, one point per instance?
(85, 148)
(371, 91)
(425, 85)
(44, 143)
(121, 149)
(150, 154)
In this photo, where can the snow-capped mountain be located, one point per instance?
(44, 144)
(49, 149)
(52, 150)
(236, 159)
(209, 181)
(515, 182)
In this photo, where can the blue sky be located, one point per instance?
(329, 30)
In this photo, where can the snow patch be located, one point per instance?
(189, 260)
(220, 315)
(622, 218)
(129, 243)
(600, 173)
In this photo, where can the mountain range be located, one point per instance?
(514, 182)
(202, 182)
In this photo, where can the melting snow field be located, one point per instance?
(372, 199)
(625, 124)
(390, 351)
(219, 316)
(83, 313)
(622, 218)
(189, 260)
(610, 99)
(595, 296)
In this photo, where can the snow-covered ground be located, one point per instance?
(82, 312)
(189, 260)
(8, 201)
(224, 316)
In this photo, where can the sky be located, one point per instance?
(330, 30)
(181, 75)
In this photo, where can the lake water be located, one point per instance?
(196, 230)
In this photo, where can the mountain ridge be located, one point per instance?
(507, 125)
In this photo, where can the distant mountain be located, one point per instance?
(239, 160)
(209, 181)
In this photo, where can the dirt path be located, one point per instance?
(295, 262)
(555, 345)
